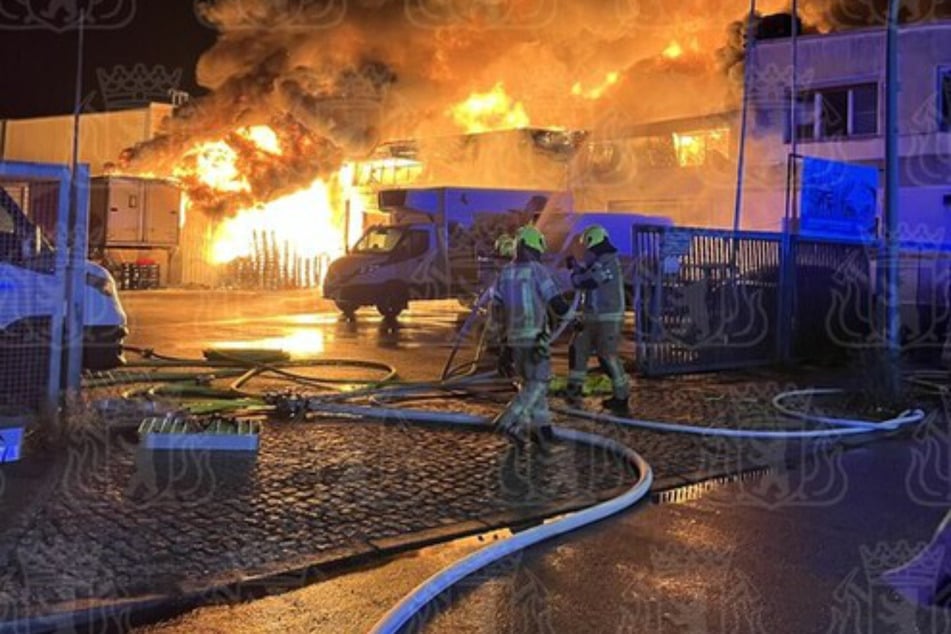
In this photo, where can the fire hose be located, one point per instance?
(336, 403)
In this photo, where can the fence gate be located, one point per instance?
(832, 298)
(37, 323)
(705, 299)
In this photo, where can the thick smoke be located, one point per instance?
(342, 75)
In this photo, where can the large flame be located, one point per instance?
(300, 225)
(487, 111)
(215, 163)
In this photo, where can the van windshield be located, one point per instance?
(379, 240)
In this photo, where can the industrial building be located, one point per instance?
(686, 168)
(683, 169)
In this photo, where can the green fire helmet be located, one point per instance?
(505, 246)
(532, 238)
(594, 235)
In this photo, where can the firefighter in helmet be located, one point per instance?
(521, 299)
(505, 246)
(599, 327)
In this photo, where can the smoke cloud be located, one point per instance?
(335, 77)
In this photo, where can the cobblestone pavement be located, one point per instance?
(121, 522)
(102, 520)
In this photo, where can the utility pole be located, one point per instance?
(744, 115)
(892, 322)
(76, 244)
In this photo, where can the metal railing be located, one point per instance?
(42, 285)
(710, 300)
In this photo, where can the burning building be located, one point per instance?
(279, 163)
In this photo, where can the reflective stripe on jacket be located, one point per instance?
(602, 282)
(523, 292)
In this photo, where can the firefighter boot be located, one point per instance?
(509, 427)
(616, 405)
(573, 396)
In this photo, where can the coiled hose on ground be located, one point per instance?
(335, 402)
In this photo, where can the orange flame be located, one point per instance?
(215, 165)
(674, 50)
(595, 93)
(487, 111)
(262, 136)
(301, 225)
(697, 148)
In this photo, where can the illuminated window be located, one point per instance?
(836, 113)
(695, 149)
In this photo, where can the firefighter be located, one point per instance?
(505, 246)
(521, 300)
(504, 251)
(599, 328)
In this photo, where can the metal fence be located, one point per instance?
(704, 299)
(925, 296)
(42, 275)
(831, 292)
(710, 300)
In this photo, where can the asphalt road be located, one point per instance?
(183, 323)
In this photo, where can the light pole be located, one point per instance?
(892, 321)
(744, 115)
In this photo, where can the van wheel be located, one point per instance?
(393, 303)
(347, 308)
(388, 311)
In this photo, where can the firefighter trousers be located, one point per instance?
(601, 338)
(530, 405)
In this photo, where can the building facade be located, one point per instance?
(687, 168)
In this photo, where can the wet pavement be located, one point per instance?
(773, 552)
(732, 560)
(100, 519)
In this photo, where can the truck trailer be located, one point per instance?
(440, 244)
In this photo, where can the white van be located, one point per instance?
(29, 289)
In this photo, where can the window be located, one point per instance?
(9, 243)
(944, 99)
(703, 147)
(415, 244)
(865, 109)
(806, 116)
(379, 240)
(836, 113)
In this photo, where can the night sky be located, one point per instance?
(39, 65)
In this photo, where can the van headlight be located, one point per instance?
(104, 285)
(367, 269)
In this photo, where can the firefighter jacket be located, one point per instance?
(602, 283)
(521, 296)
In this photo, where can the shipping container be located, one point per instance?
(133, 212)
